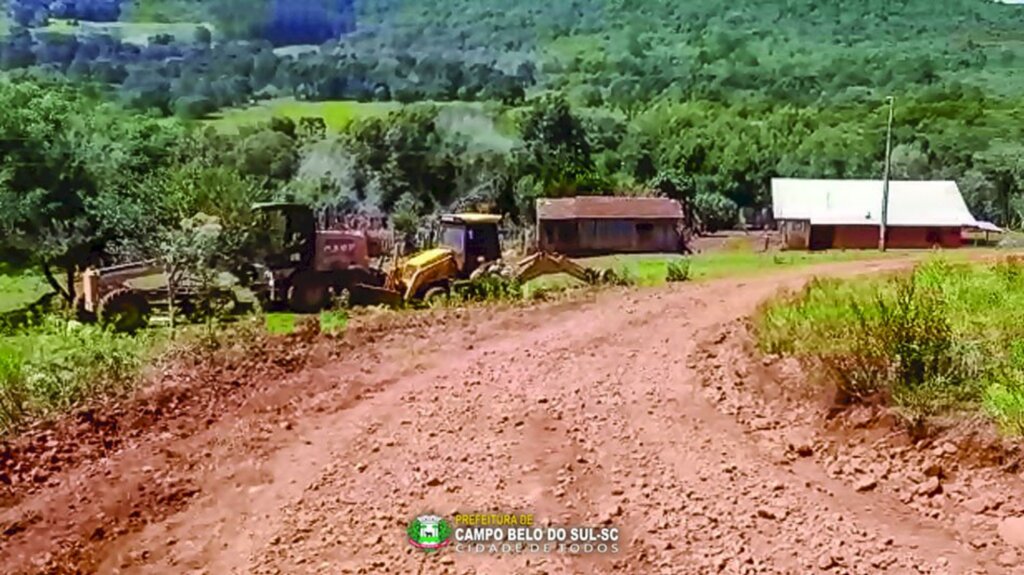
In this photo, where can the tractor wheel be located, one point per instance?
(434, 295)
(78, 311)
(124, 310)
(309, 294)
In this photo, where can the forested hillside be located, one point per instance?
(506, 101)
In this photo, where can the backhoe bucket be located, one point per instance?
(368, 295)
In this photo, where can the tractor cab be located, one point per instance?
(292, 234)
(473, 238)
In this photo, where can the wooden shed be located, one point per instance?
(597, 225)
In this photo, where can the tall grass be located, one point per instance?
(944, 338)
(57, 364)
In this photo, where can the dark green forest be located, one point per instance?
(504, 101)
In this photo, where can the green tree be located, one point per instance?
(715, 211)
(1003, 161)
(909, 162)
(191, 253)
(555, 146)
(624, 94)
(405, 219)
(67, 178)
(269, 154)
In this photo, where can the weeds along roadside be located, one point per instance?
(943, 339)
(55, 364)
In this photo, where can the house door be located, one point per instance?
(822, 237)
(644, 236)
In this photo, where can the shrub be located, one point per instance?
(14, 393)
(58, 364)
(625, 277)
(909, 340)
(715, 211)
(1010, 270)
(489, 288)
(72, 363)
(678, 271)
(1005, 404)
(1004, 393)
(334, 322)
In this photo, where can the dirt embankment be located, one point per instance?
(645, 410)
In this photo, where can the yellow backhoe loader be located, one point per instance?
(470, 249)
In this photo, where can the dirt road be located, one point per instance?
(595, 411)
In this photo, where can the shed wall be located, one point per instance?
(602, 236)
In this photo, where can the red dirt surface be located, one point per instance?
(644, 409)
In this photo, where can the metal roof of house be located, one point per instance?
(989, 227)
(859, 202)
(607, 207)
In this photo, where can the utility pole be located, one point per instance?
(885, 179)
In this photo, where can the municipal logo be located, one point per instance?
(429, 533)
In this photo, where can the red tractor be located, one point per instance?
(310, 266)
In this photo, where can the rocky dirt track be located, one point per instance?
(644, 409)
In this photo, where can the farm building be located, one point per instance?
(824, 214)
(595, 225)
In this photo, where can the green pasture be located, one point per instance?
(131, 32)
(336, 114)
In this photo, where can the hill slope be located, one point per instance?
(786, 49)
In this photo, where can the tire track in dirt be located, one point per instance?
(592, 412)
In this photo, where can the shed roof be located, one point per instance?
(608, 207)
(859, 202)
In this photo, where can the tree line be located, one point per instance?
(197, 78)
(85, 182)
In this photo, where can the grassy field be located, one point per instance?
(652, 269)
(336, 114)
(331, 322)
(131, 32)
(474, 119)
(947, 338)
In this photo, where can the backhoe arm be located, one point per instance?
(543, 263)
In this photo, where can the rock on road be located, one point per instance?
(589, 412)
